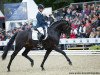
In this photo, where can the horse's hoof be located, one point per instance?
(8, 69)
(32, 64)
(70, 63)
(43, 69)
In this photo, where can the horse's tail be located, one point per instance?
(8, 47)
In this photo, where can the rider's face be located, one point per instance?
(41, 10)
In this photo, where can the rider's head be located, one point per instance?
(40, 7)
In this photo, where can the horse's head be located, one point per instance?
(65, 27)
(62, 26)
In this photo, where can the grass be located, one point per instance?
(95, 47)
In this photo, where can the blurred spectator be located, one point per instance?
(93, 33)
(88, 23)
(97, 34)
(1, 36)
(98, 9)
(78, 8)
(73, 33)
(98, 21)
(82, 31)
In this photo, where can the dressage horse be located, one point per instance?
(51, 43)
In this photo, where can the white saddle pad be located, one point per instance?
(35, 33)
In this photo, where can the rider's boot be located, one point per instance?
(41, 37)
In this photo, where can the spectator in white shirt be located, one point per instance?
(82, 31)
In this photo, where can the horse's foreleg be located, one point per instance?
(45, 57)
(62, 52)
(26, 56)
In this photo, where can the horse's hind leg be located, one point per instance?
(26, 56)
(62, 52)
(17, 49)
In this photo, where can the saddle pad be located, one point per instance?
(35, 33)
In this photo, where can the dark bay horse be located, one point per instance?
(51, 43)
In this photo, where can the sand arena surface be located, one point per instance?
(55, 65)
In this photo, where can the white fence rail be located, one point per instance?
(68, 52)
(68, 41)
(79, 41)
(3, 43)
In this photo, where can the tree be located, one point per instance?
(62, 3)
(55, 4)
(11, 1)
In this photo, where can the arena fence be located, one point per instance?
(64, 41)
(69, 41)
(68, 52)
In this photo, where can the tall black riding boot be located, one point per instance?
(41, 36)
(44, 32)
(40, 39)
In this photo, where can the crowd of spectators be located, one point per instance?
(8, 34)
(84, 19)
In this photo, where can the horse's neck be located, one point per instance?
(55, 28)
(54, 33)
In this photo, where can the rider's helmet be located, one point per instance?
(40, 6)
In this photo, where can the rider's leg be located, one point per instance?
(44, 30)
(41, 36)
(44, 33)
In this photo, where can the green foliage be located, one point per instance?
(95, 47)
(47, 3)
(82, 0)
(11, 1)
(55, 4)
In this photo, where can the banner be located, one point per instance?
(15, 11)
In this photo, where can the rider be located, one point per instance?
(41, 22)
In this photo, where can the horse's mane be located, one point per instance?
(57, 23)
